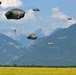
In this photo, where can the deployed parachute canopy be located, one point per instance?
(0, 2)
(15, 14)
(32, 36)
(50, 43)
(69, 18)
(36, 9)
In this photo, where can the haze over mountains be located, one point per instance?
(9, 48)
(63, 51)
(21, 36)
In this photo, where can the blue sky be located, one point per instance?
(53, 14)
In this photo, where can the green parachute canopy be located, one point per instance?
(15, 14)
(0, 2)
(36, 9)
(32, 36)
(69, 18)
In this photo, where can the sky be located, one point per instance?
(53, 14)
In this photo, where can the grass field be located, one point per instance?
(36, 71)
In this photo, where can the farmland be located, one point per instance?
(36, 71)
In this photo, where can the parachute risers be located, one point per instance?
(14, 28)
(32, 36)
(15, 14)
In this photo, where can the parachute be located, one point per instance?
(15, 14)
(36, 9)
(14, 28)
(0, 2)
(32, 36)
(50, 43)
(69, 18)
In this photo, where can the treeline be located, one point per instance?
(33, 65)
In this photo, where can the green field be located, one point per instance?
(36, 71)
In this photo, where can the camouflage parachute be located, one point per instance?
(32, 36)
(69, 18)
(15, 14)
(0, 2)
(36, 9)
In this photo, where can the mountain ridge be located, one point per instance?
(9, 48)
(62, 53)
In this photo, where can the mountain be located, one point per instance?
(19, 36)
(22, 38)
(9, 48)
(61, 53)
(56, 30)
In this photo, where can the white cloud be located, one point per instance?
(10, 3)
(56, 9)
(30, 15)
(58, 15)
(2, 15)
(57, 19)
(31, 22)
(15, 35)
